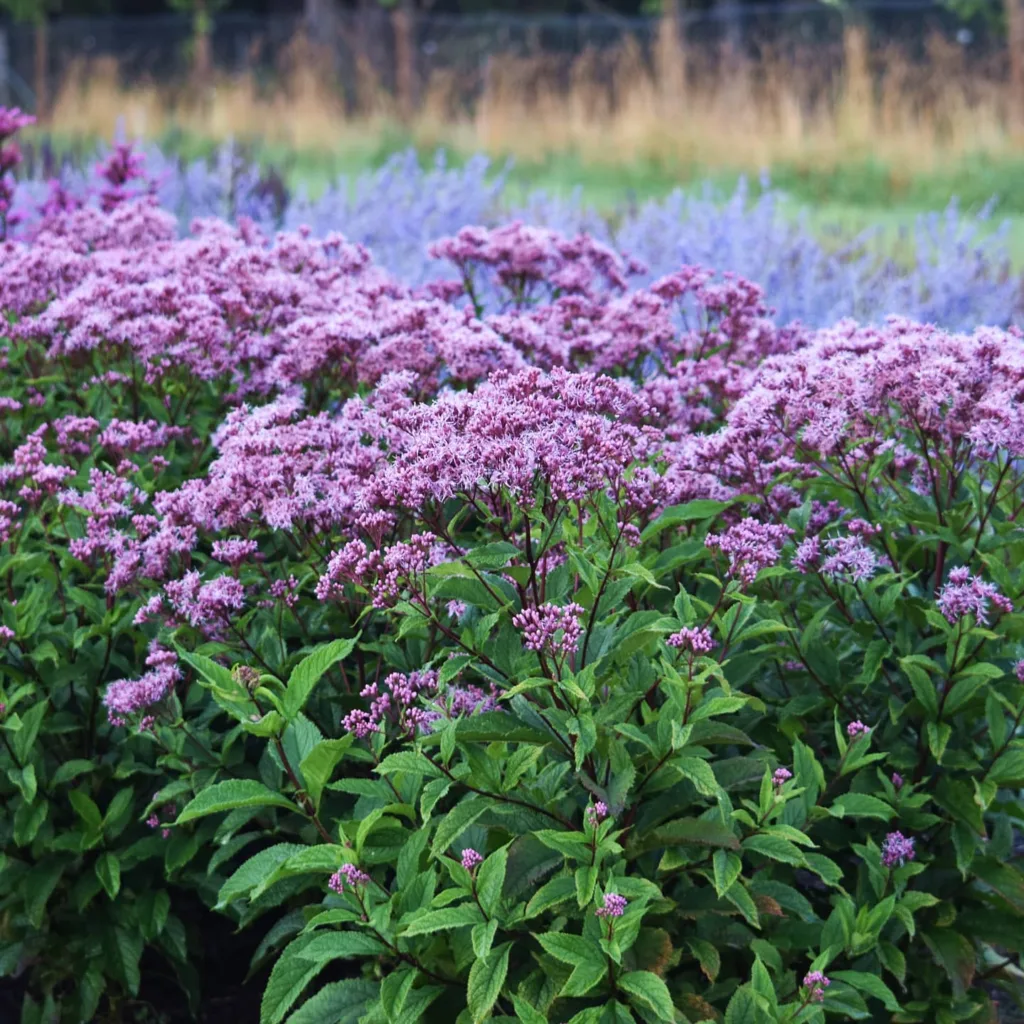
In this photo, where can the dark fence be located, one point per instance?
(160, 48)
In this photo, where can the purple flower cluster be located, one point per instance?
(780, 777)
(751, 547)
(897, 849)
(128, 697)
(965, 594)
(471, 860)
(596, 813)
(11, 122)
(413, 703)
(815, 982)
(551, 629)
(698, 640)
(614, 905)
(857, 728)
(348, 875)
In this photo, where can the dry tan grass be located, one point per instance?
(612, 107)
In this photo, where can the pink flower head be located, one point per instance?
(1018, 670)
(857, 728)
(550, 628)
(781, 776)
(596, 813)
(471, 859)
(697, 640)
(897, 780)
(751, 547)
(897, 849)
(965, 594)
(614, 905)
(816, 983)
(350, 875)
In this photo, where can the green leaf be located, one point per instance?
(1009, 768)
(25, 779)
(70, 770)
(408, 761)
(122, 951)
(288, 979)
(742, 1008)
(583, 978)
(861, 805)
(483, 937)
(232, 793)
(650, 992)
(341, 1002)
(685, 832)
(341, 946)
(490, 880)
(707, 956)
(938, 736)
(558, 890)
(923, 687)
(318, 765)
(869, 983)
(307, 673)
(455, 822)
(776, 848)
(955, 953)
(486, 977)
(525, 1013)
(727, 868)
(255, 870)
(570, 949)
(698, 772)
(108, 871)
(36, 888)
(85, 807)
(462, 916)
(676, 515)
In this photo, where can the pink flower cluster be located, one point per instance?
(965, 594)
(551, 629)
(347, 875)
(897, 850)
(751, 547)
(414, 703)
(128, 697)
(614, 905)
(815, 982)
(697, 640)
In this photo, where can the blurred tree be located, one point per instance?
(202, 12)
(36, 13)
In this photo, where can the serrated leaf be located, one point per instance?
(649, 991)
(288, 979)
(775, 848)
(486, 977)
(444, 919)
(308, 672)
(558, 890)
(108, 871)
(869, 983)
(340, 1002)
(490, 880)
(341, 946)
(861, 805)
(455, 822)
(230, 794)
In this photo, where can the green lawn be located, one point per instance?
(840, 203)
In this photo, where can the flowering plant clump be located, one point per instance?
(536, 647)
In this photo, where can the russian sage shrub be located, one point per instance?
(528, 647)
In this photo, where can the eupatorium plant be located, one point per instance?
(529, 647)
